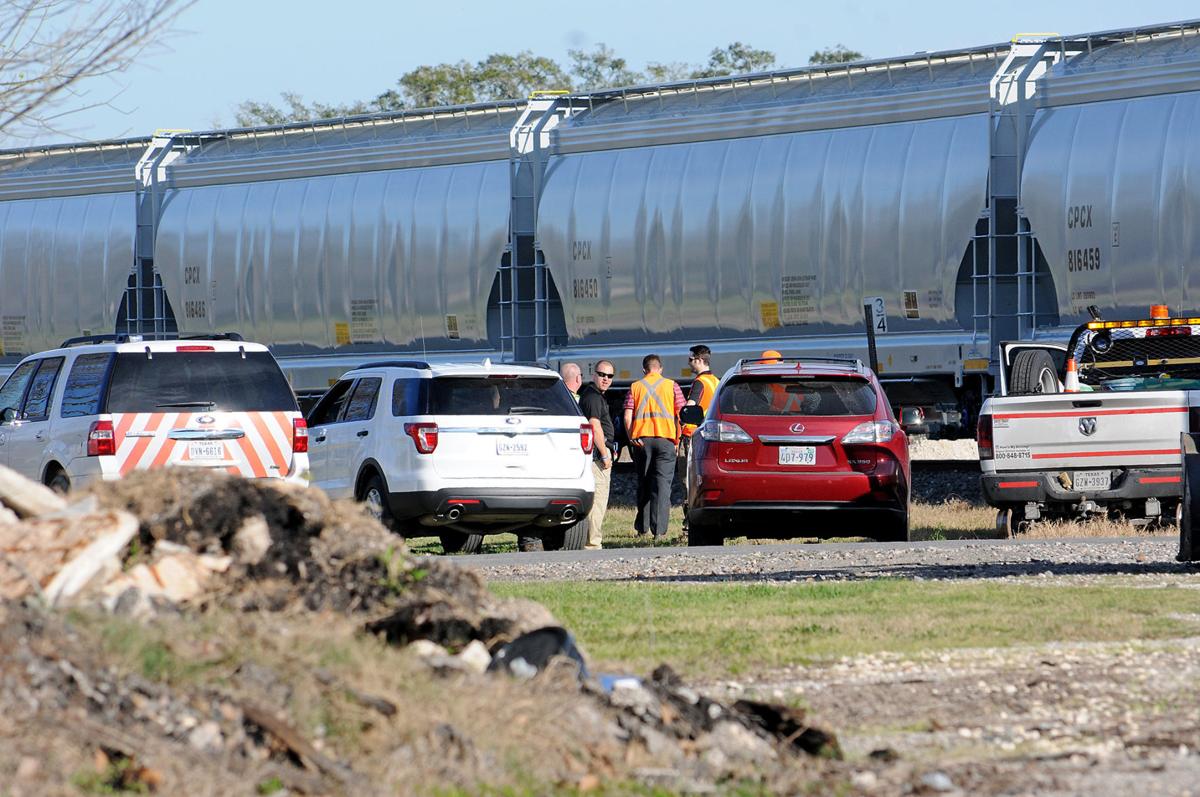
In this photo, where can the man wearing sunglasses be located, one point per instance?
(595, 408)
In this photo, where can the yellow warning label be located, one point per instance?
(975, 364)
(769, 312)
(341, 333)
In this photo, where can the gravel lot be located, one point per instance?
(1056, 719)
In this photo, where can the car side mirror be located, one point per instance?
(8, 415)
(692, 414)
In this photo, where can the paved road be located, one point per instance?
(1077, 558)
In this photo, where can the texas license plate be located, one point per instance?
(1085, 480)
(511, 448)
(797, 455)
(208, 450)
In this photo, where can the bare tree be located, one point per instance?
(49, 48)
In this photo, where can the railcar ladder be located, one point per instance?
(1004, 288)
(524, 301)
(145, 300)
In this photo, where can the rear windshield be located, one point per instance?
(492, 395)
(767, 395)
(197, 381)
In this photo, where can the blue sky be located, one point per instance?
(223, 52)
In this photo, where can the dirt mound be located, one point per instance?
(213, 608)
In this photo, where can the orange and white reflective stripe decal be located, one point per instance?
(263, 450)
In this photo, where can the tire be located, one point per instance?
(1032, 372)
(60, 484)
(373, 495)
(701, 535)
(572, 539)
(895, 531)
(457, 542)
(1010, 521)
(1189, 533)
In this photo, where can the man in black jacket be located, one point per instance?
(595, 408)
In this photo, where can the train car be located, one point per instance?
(977, 195)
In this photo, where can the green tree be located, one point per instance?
(736, 59)
(839, 54)
(505, 77)
(601, 68)
(253, 113)
(428, 86)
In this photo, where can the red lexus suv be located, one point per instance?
(794, 448)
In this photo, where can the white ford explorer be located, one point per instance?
(460, 450)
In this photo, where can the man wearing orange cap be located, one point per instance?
(771, 356)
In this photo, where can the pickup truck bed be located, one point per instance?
(1112, 445)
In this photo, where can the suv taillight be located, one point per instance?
(102, 440)
(871, 432)
(724, 432)
(586, 437)
(299, 436)
(984, 437)
(424, 435)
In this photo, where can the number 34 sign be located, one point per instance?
(878, 316)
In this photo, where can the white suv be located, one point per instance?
(99, 407)
(459, 449)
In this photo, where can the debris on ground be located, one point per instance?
(161, 550)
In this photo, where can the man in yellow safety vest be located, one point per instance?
(652, 422)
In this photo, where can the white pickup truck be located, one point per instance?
(1094, 427)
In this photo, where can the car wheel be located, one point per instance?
(374, 499)
(60, 483)
(458, 542)
(699, 535)
(894, 531)
(572, 539)
(1010, 521)
(1189, 534)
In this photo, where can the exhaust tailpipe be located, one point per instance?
(454, 513)
(568, 513)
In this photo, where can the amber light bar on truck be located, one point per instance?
(1144, 322)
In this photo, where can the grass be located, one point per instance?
(726, 629)
(951, 520)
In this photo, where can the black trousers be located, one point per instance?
(655, 463)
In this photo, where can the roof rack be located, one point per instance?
(234, 336)
(418, 364)
(87, 340)
(849, 362)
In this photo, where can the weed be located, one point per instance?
(270, 786)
